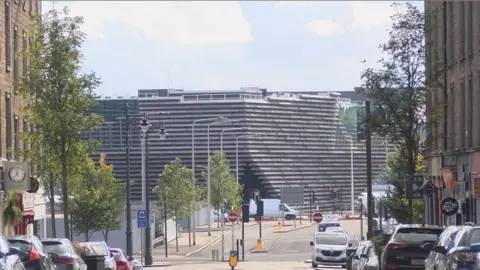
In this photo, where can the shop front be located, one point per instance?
(26, 203)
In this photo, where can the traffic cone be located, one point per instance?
(279, 227)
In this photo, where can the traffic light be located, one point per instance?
(360, 123)
(245, 213)
(260, 208)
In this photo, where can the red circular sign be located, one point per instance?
(317, 217)
(232, 217)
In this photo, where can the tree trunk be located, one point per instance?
(65, 197)
(51, 198)
(176, 230)
(105, 234)
(220, 214)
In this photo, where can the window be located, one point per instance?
(16, 70)
(469, 109)
(471, 33)
(463, 116)
(461, 18)
(8, 55)
(16, 141)
(8, 122)
(450, 35)
(24, 56)
(25, 143)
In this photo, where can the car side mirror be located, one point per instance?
(364, 255)
(13, 251)
(311, 243)
(440, 249)
(350, 244)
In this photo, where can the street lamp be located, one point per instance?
(144, 125)
(209, 180)
(228, 129)
(351, 176)
(193, 218)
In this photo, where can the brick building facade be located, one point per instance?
(453, 37)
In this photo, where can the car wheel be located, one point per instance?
(314, 265)
(344, 266)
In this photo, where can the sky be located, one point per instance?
(226, 45)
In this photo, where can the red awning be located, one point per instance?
(28, 213)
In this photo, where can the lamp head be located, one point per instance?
(163, 133)
(144, 124)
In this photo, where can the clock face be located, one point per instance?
(17, 174)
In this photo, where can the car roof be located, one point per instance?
(420, 226)
(54, 239)
(329, 221)
(330, 233)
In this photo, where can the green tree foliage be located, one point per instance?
(176, 191)
(97, 200)
(12, 214)
(400, 87)
(223, 184)
(57, 94)
(396, 201)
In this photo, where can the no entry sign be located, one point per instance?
(317, 217)
(232, 217)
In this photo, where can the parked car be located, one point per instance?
(100, 249)
(351, 251)
(32, 253)
(9, 259)
(322, 227)
(446, 240)
(330, 249)
(357, 257)
(371, 260)
(406, 247)
(462, 250)
(63, 254)
(120, 259)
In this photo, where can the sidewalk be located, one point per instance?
(290, 226)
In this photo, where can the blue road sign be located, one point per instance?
(152, 219)
(141, 219)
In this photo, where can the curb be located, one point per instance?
(207, 245)
(259, 251)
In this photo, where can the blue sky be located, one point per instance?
(295, 45)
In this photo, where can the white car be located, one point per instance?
(335, 229)
(330, 249)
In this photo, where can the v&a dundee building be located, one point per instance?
(306, 142)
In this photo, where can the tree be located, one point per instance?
(400, 88)
(396, 201)
(57, 95)
(12, 214)
(176, 191)
(223, 185)
(97, 202)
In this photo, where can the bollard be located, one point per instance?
(259, 245)
(279, 227)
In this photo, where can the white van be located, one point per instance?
(330, 248)
(273, 208)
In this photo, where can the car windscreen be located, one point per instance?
(22, 245)
(417, 235)
(331, 239)
(54, 247)
(95, 249)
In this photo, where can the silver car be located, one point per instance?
(63, 254)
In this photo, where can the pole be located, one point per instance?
(361, 219)
(351, 176)
(223, 233)
(243, 239)
(194, 182)
(369, 169)
(380, 215)
(165, 233)
(141, 248)
(311, 204)
(260, 227)
(148, 235)
(209, 199)
(128, 230)
(233, 235)
(236, 157)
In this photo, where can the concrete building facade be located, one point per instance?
(305, 145)
(453, 39)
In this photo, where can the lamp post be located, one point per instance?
(209, 180)
(224, 130)
(144, 125)
(193, 218)
(351, 176)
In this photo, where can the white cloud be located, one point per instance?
(368, 16)
(168, 22)
(324, 27)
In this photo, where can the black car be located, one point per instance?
(409, 246)
(32, 253)
(9, 259)
(63, 254)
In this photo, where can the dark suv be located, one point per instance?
(409, 246)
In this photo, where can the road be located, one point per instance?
(289, 250)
